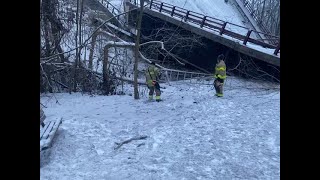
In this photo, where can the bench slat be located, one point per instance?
(46, 129)
(49, 133)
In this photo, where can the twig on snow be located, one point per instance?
(129, 140)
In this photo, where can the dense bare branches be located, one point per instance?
(59, 35)
(248, 68)
(175, 42)
(267, 13)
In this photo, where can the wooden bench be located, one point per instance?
(47, 133)
(42, 117)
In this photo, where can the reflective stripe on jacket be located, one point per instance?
(220, 70)
(152, 74)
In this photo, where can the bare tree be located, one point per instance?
(52, 31)
(176, 42)
(267, 13)
(80, 78)
(136, 52)
(248, 68)
(94, 39)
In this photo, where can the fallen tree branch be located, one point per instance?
(174, 57)
(129, 80)
(240, 60)
(43, 105)
(129, 140)
(61, 84)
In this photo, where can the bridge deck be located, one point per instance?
(250, 47)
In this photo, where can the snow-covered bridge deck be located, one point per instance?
(216, 30)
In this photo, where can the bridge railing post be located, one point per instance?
(245, 3)
(203, 21)
(247, 37)
(223, 28)
(161, 7)
(173, 10)
(151, 4)
(277, 49)
(112, 10)
(186, 17)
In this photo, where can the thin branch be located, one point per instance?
(174, 57)
(240, 60)
(129, 140)
(43, 105)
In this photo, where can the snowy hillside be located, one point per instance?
(190, 135)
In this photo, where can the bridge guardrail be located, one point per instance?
(218, 25)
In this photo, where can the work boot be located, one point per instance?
(158, 98)
(219, 95)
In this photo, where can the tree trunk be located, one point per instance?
(46, 39)
(136, 52)
(57, 39)
(93, 43)
(77, 51)
(46, 14)
(105, 70)
(80, 29)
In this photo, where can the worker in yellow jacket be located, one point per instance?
(220, 75)
(152, 78)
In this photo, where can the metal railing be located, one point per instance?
(115, 12)
(217, 25)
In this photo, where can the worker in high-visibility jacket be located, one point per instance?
(220, 75)
(152, 78)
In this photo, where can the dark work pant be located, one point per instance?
(154, 88)
(218, 85)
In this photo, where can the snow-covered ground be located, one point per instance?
(191, 134)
